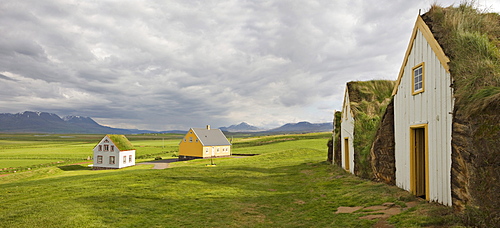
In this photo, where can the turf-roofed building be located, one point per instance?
(363, 106)
(204, 143)
(113, 152)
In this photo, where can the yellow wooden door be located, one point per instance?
(419, 162)
(346, 154)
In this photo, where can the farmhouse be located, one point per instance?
(113, 152)
(447, 111)
(204, 143)
(364, 103)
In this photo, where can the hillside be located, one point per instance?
(303, 127)
(242, 127)
(43, 122)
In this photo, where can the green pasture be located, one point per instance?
(288, 185)
(24, 151)
(4, 163)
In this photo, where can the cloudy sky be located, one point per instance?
(163, 65)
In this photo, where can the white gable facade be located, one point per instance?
(108, 156)
(423, 106)
(347, 135)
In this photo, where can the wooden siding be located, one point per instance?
(432, 107)
(347, 132)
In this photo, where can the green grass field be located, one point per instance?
(288, 185)
(24, 151)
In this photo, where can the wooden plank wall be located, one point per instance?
(433, 107)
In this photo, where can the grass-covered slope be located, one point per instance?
(291, 187)
(471, 39)
(368, 100)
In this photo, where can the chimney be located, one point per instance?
(208, 127)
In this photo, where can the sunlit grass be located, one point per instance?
(288, 185)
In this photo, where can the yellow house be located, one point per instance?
(204, 143)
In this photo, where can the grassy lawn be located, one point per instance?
(24, 162)
(24, 150)
(288, 185)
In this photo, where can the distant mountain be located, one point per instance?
(242, 127)
(43, 122)
(303, 127)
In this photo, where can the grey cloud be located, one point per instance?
(175, 64)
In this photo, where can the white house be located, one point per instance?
(423, 107)
(113, 152)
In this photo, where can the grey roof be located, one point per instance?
(212, 137)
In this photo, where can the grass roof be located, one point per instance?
(121, 142)
(368, 100)
(471, 39)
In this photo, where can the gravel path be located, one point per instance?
(161, 164)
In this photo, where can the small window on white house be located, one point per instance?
(418, 79)
(99, 159)
(112, 148)
(111, 159)
(100, 148)
(206, 151)
(106, 147)
(124, 159)
(217, 150)
(130, 158)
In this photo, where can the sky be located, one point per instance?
(176, 64)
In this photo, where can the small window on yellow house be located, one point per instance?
(190, 139)
(418, 79)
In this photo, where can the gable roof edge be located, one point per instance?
(421, 26)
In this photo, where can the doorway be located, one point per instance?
(346, 154)
(419, 169)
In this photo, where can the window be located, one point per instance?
(418, 79)
(124, 159)
(106, 147)
(99, 159)
(217, 150)
(130, 158)
(206, 151)
(100, 147)
(106, 141)
(190, 139)
(111, 159)
(112, 148)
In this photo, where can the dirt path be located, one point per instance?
(379, 212)
(160, 164)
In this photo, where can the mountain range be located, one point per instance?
(300, 127)
(43, 122)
